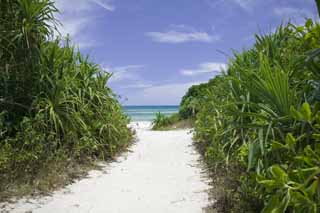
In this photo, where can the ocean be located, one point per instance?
(148, 113)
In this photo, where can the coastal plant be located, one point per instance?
(261, 117)
(160, 121)
(55, 103)
(191, 101)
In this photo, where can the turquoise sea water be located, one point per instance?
(147, 113)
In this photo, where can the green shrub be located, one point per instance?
(55, 103)
(192, 100)
(162, 121)
(261, 117)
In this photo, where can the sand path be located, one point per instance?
(161, 174)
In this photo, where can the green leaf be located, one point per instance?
(285, 202)
(316, 137)
(306, 112)
(278, 173)
(290, 140)
(312, 189)
(261, 141)
(252, 155)
(309, 23)
(277, 145)
(272, 205)
(268, 183)
(300, 28)
(295, 114)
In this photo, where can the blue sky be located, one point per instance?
(157, 49)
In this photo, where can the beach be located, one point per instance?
(160, 173)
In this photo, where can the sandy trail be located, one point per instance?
(161, 174)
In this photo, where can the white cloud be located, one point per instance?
(209, 67)
(86, 43)
(245, 4)
(73, 26)
(137, 86)
(290, 12)
(72, 5)
(76, 15)
(181, 34)
(76, 6)
(123, 72)
(104, 4)
(180, 37)
(165, 94)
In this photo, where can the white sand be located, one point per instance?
(161, 174)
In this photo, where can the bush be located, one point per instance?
(192, 100)
(54, 102)
(262, 117)
(162, 122)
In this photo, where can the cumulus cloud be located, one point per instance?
(209, 67)
(182, 34)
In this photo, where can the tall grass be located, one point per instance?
(54, 102)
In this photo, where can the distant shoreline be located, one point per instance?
(148, 113)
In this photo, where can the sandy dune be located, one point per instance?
(161, 174)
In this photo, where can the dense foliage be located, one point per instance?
(191, 102)
(54, 102)
(263, 117)
(188, 109)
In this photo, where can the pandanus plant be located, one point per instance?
(52, 98)
(25, 26)
(266, 120)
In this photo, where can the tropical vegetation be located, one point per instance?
(191, 101)
(161, 121)
(259, 121)
(55, 105)
(173, 121)
(188, 108)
